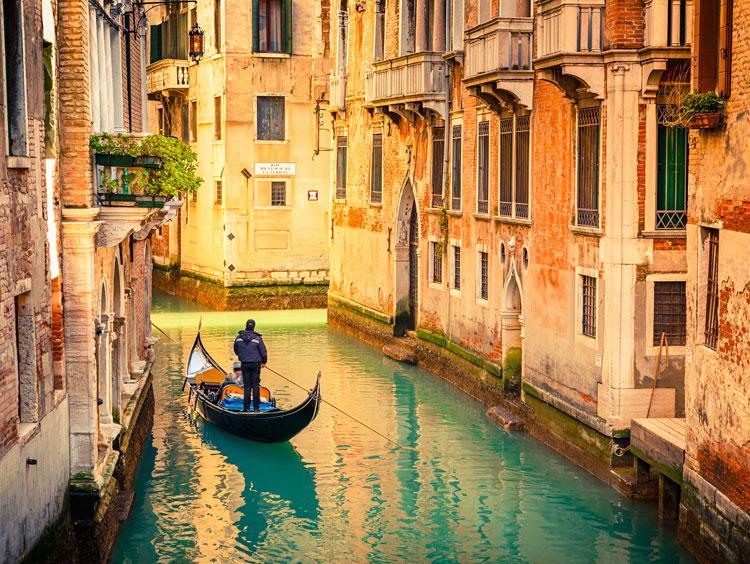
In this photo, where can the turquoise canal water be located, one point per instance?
(470, 492)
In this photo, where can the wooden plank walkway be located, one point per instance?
(661, 440)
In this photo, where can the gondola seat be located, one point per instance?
(232, 398)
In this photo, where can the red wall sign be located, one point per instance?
(312, 195)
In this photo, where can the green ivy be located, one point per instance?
(700, 103)
(178, 173)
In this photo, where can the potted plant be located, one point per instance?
(702, 110)
(113, 150)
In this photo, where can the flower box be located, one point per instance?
(705, 121)
(147, 161)
(105, 159)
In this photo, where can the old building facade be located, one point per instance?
(715, 512)
(251, 109)
(33, 397)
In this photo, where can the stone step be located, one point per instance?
(503, 417)
(400, 353)
(124, 502)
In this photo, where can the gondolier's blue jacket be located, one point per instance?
(249, 347)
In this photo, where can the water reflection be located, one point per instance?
(467, 492)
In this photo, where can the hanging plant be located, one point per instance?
(698, 110)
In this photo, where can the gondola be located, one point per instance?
(208, 390)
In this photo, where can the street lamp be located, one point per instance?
(196, 43)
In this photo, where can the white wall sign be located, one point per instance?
(312, 195)
(275, 169)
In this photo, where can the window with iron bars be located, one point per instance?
(711, 244)
(438, 153)
(376, 173)
(588, 306)
(278, 193)
(456, 169)
(514, 167)
(219, 193)
(484, 274)
(436, 253)
(672, 169)
(483, 167)
(588, 167)
(670, 316)
(456, 267)
(341, 151)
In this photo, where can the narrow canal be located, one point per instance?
(469, 492)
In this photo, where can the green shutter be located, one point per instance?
(156, 50)
(662, 166)
(681, 168)
(287, 26)
(255, 26)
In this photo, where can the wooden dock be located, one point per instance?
(661, 443)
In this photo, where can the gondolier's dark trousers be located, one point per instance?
(251, 381)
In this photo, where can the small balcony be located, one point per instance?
(336, 93)
(408, 85)
(668, 25)
(498, 65)
(167, 74)
(570, 42)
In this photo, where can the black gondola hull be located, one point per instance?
(268, 427)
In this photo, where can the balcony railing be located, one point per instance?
(570, 28)
(167, 74)
(668, 23)
(410, 78)
(502, 45)
(337, 92)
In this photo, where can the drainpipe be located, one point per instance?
(127, 70)
(447, 140)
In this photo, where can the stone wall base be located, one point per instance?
(240, 298)
(88, 530)
(712, 527)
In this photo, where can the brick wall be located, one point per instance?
(623, 24)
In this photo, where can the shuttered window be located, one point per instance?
(217, 25)
(506, 167)
(271, 118)
(456, 169)
(219, 193)
(456, 267)
(713, 45)
(588, 167)
(217, 118)
(483, 167)
(669, 313)
(155, 43)
(376, 172)
(671, 183)
(438, 153)
(711, 244)
(484, 275)
(341, 150)
(272, 26)
(437, 262)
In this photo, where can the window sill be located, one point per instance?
(455, 293)
(272, 141)
(376, 204)
(18, 162)
(482, 302)
(27, 431)
(339, 201)
(586, 341)
(435, 211)
(511, 220)
(455, 213)
(679, 350)
(436, 285)
(280, 208)
(588, 231)
(271, 55)
(665, 234)
(482, 216)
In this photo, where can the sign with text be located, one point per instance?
(275, 169)
(312, 195)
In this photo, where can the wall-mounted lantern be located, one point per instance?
(196, 43)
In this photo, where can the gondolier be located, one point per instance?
(251, 351)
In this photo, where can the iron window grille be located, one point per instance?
(271, 123)
(670, 315)
(484, 291)
(712, 289)
(437, 263)
(456, 267)
(376, 174)
(341, 155)
(506, 168)
(523, 140)
(456, 169)
(438, 153)
(219, 193)
(514, 167)
(278, 193)
(672, 170)
(483, 172)
(588, 167)
(588, 303)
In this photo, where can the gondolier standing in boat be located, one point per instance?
(251, 350)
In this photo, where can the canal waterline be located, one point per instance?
(468, 492)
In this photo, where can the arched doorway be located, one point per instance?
(512, 327)
(407, 262)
